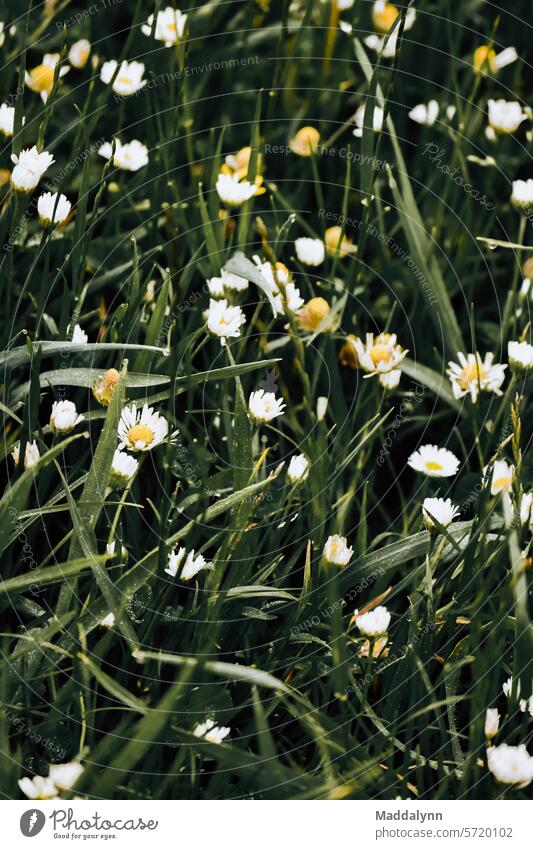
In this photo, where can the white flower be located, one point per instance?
(169, 26)
(293, 298)
(502, 477)
(473, 374)
(526, 503)
(506, 57)
(129, 78)
(65, 776)
(390, 380)
(264, 406)
(129, 157)
(7, 119)
(434, 462)
(41, 78)
(31, 454)
(224, 321)
(211, 732)
(505, 116)
(79, 336)
(298, 469)
(193, 564)
(123, 467)
(440, 509)
(273, 282)
(64, 416)
(374, 623)
(380, 355)
(425, 114)
(141, 431)
(520, 355)
(30, 166)
(79, 53)
(508, 686)
(492, 723)
(321, 408)
(522, 194)
(108, 621)
(227, 282)
(216, 287)
(38, 787)
(174, 560)
(336, 551)
(310, 251)
(234, 192)
(510, 764)
(359, 117)
(53, 209)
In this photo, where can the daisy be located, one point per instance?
(305, 142)
(38, 787)
(7, 120)
(298, 470)
(79, 336)
(30, 166)
(336, 551)
(41, 78)
(374, 623)
(79, 53)
(193, 564)
(522, 194)
(234, 192)
(332, 237)
(53, 209)
(264, 406)
(510, 764)
(485, 57)
(359, 118)
(104, 387)
(129, 79)
(502, 477)
(211, 732)
(141, 431)
(425, 114)
(379, 355)
(277, 276)
(440, 509)
(389, 380)
(310, 251)
(169, 26)
(227, 282)
(123, 468)
(65, 776)
(383, 17)
(520, 355)
(492, 723)
(504, 117)
(434, 462)
(313, 313)
(129, 157)
(224, 321)
(31, 454)
(64, 416)
(472, 375)
(526, 505)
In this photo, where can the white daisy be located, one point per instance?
(264, 406)
(53, 209)
(434, 462)
(440, 509)
(79, 53)
(123, 467)
(425, 113)
(492, 723)
(169, 26)
(38, 787)
(232, 191)
(502, 477)
(336, 551)
(473, 374)
(522, 194)
(65, 776)
(390, 379)
(504, 117)
(64, 416)
(520, 355)
(193, 564)
(129, 157)
(211, 732)
(379, 355)
(298, 470)
(7, 120)
(30, 166)
(374, 623)
(224, 321)
(510, 764)
(310, 251)
(31, 454)
(129, 79)
(141, 431)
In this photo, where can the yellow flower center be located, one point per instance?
(42, 78)
(124, 80)
(433, 466)
(484, 56)
(140, 433)
(501, 483)
(380, 354)
(472, 372)
(384, 18)
(172, 27)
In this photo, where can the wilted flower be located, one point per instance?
(486, 59)
(123, 467)
(305, 142)
(224, 321)
(434, 462)
(211, 732)
(129, 79)
(504, 117)
(104, 387)
(510, 764)
(169, 26)
(234, 192)
(502, 477)
(31, 454)
(313, 313)
(337, 245)
(79, 53)
(264, 406)
(440, 509)
(336, 551)
(473, 374)
(492, 723)
(141, 431)
(374, 623)
(522, 194)
(53, 209)
(30, 166)
(41, 78)
(425, 114)
(520, 355)
(129, 157)
(298, 470)
(348, 354)
(310, 251)
(379, 355)
(64, 416)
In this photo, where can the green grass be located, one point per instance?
(265, 643)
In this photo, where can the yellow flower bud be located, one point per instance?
(305, 142)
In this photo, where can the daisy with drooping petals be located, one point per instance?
(79, 53)
(379, 355)
(129, 79)
(473, 374)
(32, 454)
(211, 732)
(169, 26)
(30, 166)
(263, 406)
(298, 470)
(434, 462)
(310, 251)
(511, 765)
(194, 563)
(64, 416)
(53, 209)
(520, 355)
(502, 477)
(375, 623)
(123, 467)
(141, 431)
(224, 321)
(486, 59)
(41, 78)
(504, 117)
(522, 195)
(128, 157)
(276, 277)
(336, 551)
(440, 509)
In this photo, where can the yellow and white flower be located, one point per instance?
(30, 166)
(233, 192)
(383, 17)
(504, 117)
(310, 251)
(425, 113)
(379, 355)
(359, 118)
(224, 321)
(510, 765)
(31, 454)
(169, 26)
(64, 416)
(129, 157)
(141, 430)
(53, 209)
(41, 78)
(79, 53)
(389, 380)
(492, 723)
(61, 777)
(434, 462)
(336, 551)
(129, 79)
(440, 509)
(263, 406)
(337, 245)
(298, 470)
(211, 732)
(305, 142)
(486, 59)
(502, 477)
(277, 277)
(520, 355)
(522, 195)
(473, 374)
(238, 163)
(375, 623)
(123, 468)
